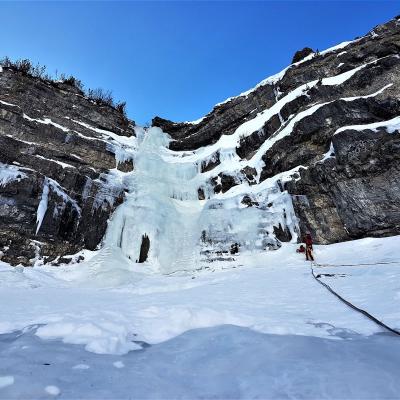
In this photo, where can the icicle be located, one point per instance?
(42, 207)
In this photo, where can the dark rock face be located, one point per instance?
(355, 192)
(57, 139)
(144, 249)
(58, 151)
(222, 120)
(301, 54)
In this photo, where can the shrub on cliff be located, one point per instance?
(105, 98)
(99, 96)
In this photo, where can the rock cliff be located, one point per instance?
(332, 117)
(57, 154)
(325, 131)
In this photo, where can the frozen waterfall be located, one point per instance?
(163, 223)
(161, 205)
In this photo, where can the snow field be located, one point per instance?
(271, 292)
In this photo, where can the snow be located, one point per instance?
(10, 173)
(338, 47)
(81, 366)
(391, 126)
(286, 131)
(63, 164)
(124, 147)
(225, 362)
(229, 330)
(228, 143)
(373, 285)
(48, 184)
(195, 122)
(369, 95)
(42, 207)
(19, 140)
(277, 77)
(373, 34)
(61, 192)
(271, 80)
(126, 140)
(194, 321)
(8, 104)
(90, 307)
(341, 78)
(329, 154)
(46, 121)
(6, 381)
(52, 390)
(118, 364)
(162, 203)
(98, 337)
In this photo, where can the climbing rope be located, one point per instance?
(348, 303)
(358, 265)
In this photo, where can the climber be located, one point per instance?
(309, 247)
(301, 249)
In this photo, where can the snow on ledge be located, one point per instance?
(43, 204)
(63, 164)
(278, 76)
(46, 121)
(9, 173)
(391, 126)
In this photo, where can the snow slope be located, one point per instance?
(263, 311)
(225, 362)
(271, 293)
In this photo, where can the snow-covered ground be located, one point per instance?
(270, 330)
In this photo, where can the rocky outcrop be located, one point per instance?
(56, 151)
(302, 54)
(324, 133)
(354, 192)
(223, 120)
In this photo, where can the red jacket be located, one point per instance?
(308, 240)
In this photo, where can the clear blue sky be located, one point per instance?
(177, 59)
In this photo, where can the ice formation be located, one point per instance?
(163, 222)
(10, 173)
(172, 217)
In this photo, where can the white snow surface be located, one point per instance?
(112, 311)
(52, 390)
(273, 79)
(46, 121)
(338, 47)
(63, 164)
(6, 381)
(42, 207)
(9, 173)
(391, 126)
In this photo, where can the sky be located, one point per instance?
(177, 59)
